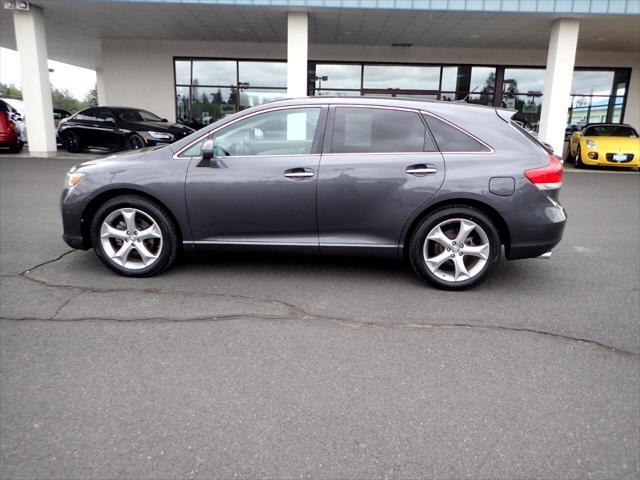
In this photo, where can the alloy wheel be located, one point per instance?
(131, 238)
(135, 141)
(456, 249)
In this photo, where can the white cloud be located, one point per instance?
(64, 76)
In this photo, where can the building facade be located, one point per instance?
(557, 62)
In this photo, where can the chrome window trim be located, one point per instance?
(176, 156)
(491, 149)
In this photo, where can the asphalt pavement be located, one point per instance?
(286, 367)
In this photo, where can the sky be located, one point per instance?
(64, 77)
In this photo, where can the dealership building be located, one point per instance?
(556, 62)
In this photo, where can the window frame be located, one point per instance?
(317, 138)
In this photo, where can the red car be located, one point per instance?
(9, 134)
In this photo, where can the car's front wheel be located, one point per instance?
(455, 248)
(135, 141)
(71, 142)
(134, 236)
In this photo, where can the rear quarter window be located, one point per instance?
(452, 139)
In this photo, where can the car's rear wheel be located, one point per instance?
(71, 142)
(134, 236)
(578, 162)
(455, 248)
(135, 141)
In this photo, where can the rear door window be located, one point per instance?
(88, 116)
(452, 139)
(377, 130)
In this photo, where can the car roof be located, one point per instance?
(400, 102)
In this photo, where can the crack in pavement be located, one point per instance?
(297, 313)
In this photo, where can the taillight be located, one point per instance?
(548, 177)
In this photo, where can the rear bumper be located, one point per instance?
(538, 234)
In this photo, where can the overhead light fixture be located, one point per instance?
(16, 5)
(475, 36)
(401, 44)
(347, 32)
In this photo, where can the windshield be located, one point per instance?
(610, 131)
(138, 116)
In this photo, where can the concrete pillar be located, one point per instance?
(297, 53)
(34, 73)
(100, 87)
(557, 82)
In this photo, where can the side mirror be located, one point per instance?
(207, 151)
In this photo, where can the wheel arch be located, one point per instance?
(484, 207)
(92, 207)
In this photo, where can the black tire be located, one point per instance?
(71, 143)
(419, 238)
(134, 142)
(578, 161)
(17, 148)
(170, 238)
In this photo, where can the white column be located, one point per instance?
(297, 53)
(100, 87)
(557, 82)
(34, 74)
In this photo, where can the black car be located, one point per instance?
(117, 128)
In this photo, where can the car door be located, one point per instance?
(82, 124)
(105, 129)
(379, 165)
(260, 188)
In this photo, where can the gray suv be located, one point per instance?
(442, 185)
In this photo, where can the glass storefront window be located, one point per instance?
(401, 77)
(592, 82)
(209, 104)
(523, 80)
(183, 72)
(262, 74)
(451, 78)
(182, 104)
(483, 79)
(214, 72)
(251, 97)
(339, 76)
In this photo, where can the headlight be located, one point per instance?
(73, 179)
(161, 136)
(591, 144)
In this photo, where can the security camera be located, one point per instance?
(22, 5)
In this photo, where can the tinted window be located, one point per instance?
(88, 115)
(364, 130)
(450, 139)
(282, 132)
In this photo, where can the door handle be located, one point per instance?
(299, 173)
(421, 169)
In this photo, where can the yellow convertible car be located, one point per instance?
(605, 144)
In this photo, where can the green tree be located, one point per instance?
(10, 90)
(91, 98)
(63, 99)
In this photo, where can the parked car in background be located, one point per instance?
(117, 128)
(9, 133)
(60, 114)
(444, 185)
(19, 115)
(570, 130)
(605, 144)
